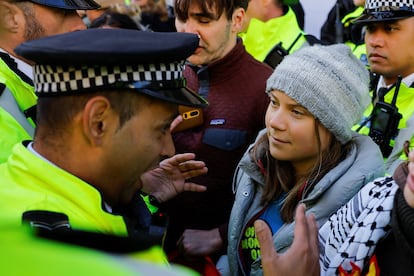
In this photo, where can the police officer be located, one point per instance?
(389, 38)
(331, 32)
(23, 21)
(107, 99)
(272, 30)
(338, 27)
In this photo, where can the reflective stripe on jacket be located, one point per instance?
(11, 127)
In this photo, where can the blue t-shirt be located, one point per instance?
(250, 248)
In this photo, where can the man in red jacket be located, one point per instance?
(234, 83)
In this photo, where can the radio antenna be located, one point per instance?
(397, 89)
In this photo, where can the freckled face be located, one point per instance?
(291, 132)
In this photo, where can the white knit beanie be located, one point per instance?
(329, 81)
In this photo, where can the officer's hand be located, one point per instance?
(302, 258)
(176, 122)
(169, 179)
(359, 3)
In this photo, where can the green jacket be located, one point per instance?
(30, 183)
(24, 98)
(260, 37)
(358, 49)
(26, 254)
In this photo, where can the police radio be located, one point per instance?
(384, 122)
(276, 55)
(278, 52)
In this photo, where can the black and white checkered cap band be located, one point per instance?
(65, 78)
(383, 5)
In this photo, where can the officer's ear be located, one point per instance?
(11, 17)
(98, 118)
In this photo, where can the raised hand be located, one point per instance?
(169, 179)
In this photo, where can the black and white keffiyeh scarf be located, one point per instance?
(352, 233)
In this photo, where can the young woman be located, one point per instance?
(371, 235)
(307, 153)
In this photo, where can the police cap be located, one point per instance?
(109, 59)
(69, 4)
(385, 10)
